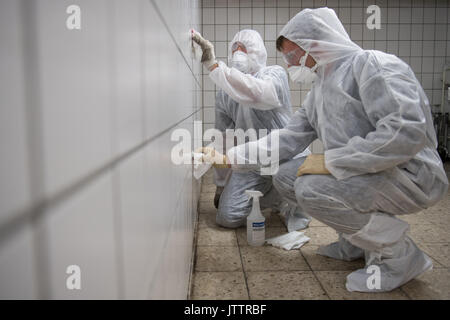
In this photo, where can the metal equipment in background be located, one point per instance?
(441, 117)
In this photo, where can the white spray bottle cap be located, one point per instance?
(255, 194)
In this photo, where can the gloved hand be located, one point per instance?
(208, 57)
(210, 155)
(313, 164)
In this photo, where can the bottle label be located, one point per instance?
(259, 234)
(258, 225)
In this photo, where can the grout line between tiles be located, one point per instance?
(243, 269)
(39, 209)
(315, 276)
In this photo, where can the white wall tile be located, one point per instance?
(209, 115)
(209, 32)
(441, 15)
(75, 93)
(270, 32)
(416, 32)
(428, 48)
(232, 30)
(258, 15)
(14, 174)
(259, 28)
(95, 95)
(356, 15)
(80, 231)
(270, 16)
(404, 32)
(209, 98)
(428, 32)
(245, 15)
(208, 16)
(17, 266)
(427, 64)
(440, 32)
(220, 15)
(405, 15)
(127, 87)
(221, 32)
(282, 15)
(221, 49)
(233, 15)
(429, 15)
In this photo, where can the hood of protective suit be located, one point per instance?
(254, 45)
(320, 32)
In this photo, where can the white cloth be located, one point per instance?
(289, 241)
(200, 167)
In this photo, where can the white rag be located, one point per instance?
(289, 241)
(200, 167)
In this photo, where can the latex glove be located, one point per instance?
(208, 56)
(313, 164)
(210, 155)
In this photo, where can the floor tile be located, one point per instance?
(316, 223)
(334, 284)
(206, 207)
(241, 234)
(441, 218)
(416, 218)
(207, 220)
(219, 286)
(321, 235)
(322, 263)
(273, 220)
(433, 284)
(439, 252)
(272, 259)
(207, 196)
(429, 233)
(215, 258)
(284, 285)
(216, 236)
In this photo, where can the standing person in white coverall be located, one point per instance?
(380, 158)
(251, 95)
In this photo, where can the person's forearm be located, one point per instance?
(213, 67)
(244, 88)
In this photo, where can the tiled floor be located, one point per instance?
(227, 268)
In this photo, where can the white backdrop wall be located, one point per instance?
(86, 177)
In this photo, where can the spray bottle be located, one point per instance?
(256, 222)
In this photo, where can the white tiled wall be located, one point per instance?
(85, 132)
(418, 31)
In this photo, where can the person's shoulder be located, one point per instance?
(378, 58)
(370, 62)
(274, 67)
(273, 70)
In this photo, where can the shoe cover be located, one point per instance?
(293, 218)
(396, 264)
(341, 250)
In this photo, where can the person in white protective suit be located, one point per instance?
(380, 159)
(251, 95)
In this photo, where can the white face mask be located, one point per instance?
(240, 61)
(302, 74)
